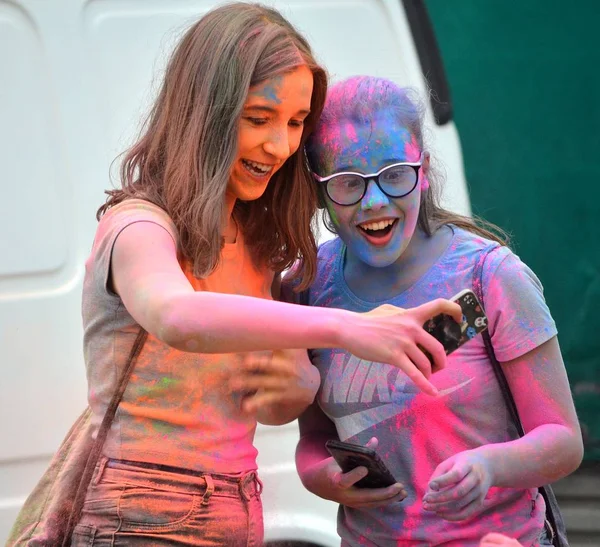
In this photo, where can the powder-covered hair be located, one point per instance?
(356, 99)
(184, 157)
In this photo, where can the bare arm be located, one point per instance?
(147, 276)
(315, 430)
(552, 446)
(321, 475)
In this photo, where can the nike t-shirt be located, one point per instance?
(417, 432)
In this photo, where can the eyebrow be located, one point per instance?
(271, 110)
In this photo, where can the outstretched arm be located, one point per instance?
(147, 276)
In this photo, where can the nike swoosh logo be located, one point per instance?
(355, 423)
(455, 388)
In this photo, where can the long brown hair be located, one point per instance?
(183, 159)
(358, 97)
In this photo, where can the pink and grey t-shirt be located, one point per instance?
(177, 409)
(417, 432)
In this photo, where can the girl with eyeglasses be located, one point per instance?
(461, 469)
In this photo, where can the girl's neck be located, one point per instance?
(378, 284)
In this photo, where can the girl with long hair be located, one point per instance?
(461, 467)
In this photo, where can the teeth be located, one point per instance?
(260, 167)
(377, 225)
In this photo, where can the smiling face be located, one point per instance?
(378, 229)
(270, 131)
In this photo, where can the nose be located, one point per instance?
(278, 144)
(374, 198)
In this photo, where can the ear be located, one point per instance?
(425, 172)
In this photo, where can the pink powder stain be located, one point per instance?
(350, 132)
(412, 149)
(423, 466)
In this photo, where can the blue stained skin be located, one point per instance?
(270, 90)
(365, 147)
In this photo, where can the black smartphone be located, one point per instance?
(349, 456)
(453, 335)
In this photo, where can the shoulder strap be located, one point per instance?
(487, 340)
(553, 515)
(109, 416)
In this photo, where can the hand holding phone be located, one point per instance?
(349, 456)
(453, 335)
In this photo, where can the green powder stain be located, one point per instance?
(157, 387)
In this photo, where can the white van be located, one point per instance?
(76, 76)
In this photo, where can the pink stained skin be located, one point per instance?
(499, 540)
(321, 474)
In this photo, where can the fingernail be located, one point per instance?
(434, 486)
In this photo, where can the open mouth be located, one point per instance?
(256, 169)
(378, 229)
(378, 233)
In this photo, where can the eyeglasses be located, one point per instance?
(395, 181)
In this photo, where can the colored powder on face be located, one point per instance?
(350, 132)
(413, 153)
(332, 214)
(412, 150)
(269, 90)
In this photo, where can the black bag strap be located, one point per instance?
(553, 514)
(94, 455)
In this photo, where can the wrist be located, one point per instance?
(336, 328)
(488, 454)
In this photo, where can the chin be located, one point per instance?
(244, 193)
(380, 261)
(251, 196)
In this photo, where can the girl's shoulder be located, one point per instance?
(129, 211)
(134, 208)
(469, 245)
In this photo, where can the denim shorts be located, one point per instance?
(135, 504)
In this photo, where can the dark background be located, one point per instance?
(525, 83)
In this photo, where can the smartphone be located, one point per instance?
(453, 335)
(349, 456)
